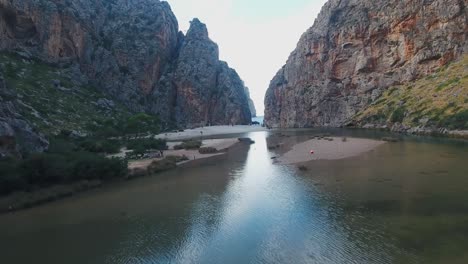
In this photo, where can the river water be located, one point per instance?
(404, 202)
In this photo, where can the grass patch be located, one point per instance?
(446, 84)
(440, 98)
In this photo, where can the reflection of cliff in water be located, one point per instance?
(385, 206)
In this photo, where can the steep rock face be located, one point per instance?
(129, 49)
(206, 87)
(16, 135)
(253, 110)
(356, 50)
(123, 47)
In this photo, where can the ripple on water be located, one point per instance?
(394, 205)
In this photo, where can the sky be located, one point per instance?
(255, 37)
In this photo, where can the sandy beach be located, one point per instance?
(222, 145)
(328, 150)
(209, 131)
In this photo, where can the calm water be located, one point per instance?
(259, 119)
(405, 202)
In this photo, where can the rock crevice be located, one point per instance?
(132, 50)
(356, 50)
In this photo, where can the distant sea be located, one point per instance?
(258, 119)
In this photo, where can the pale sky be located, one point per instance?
(255, 37)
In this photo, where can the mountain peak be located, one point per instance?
(197, 29)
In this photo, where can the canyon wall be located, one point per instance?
(356, 50)
(133, 51)
(130, 50)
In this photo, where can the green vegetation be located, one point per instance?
(52, 100)
(439, 100)
(142, 146)
(190, 144)
(80, 122)
(208, 150)
(448, 83)
(458, 120)
(109, 146)
(147, 144)
(65, 162)
(167, 163)
(398, 115)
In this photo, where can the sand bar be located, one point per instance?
(328, 150)
(209, 131)
(222, 145)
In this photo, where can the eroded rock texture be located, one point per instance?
(207, 88)
(131, 50)
(253, 110)
(17, 137)
(358, 48)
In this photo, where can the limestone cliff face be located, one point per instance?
(131, 50)
(253, 110)
(207, 88)
(17, 137)
(355, 50)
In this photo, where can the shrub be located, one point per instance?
(101, 146)
(60, 145)
(398, 115)
(97, 167)
(162, 165)
(63, 163)
(456, 121)
(147, 144)
(48, 169)
(45, 169)
(208, 150)
(177, 159)
(191, 144)
(10, 179)
(141, 123)
(136, 153)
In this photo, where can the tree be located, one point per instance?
(142, 123)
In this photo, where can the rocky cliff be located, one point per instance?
(356, 50)
(253, 110)
(207, 90)
(14, 129)
(133, 52)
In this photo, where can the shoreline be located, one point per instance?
(206, 132)
(416, 131)
(24, 200)
(19, 201)
(332, 148)
(221, 145)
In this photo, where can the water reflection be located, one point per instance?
(402, 203)
(270, 215)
